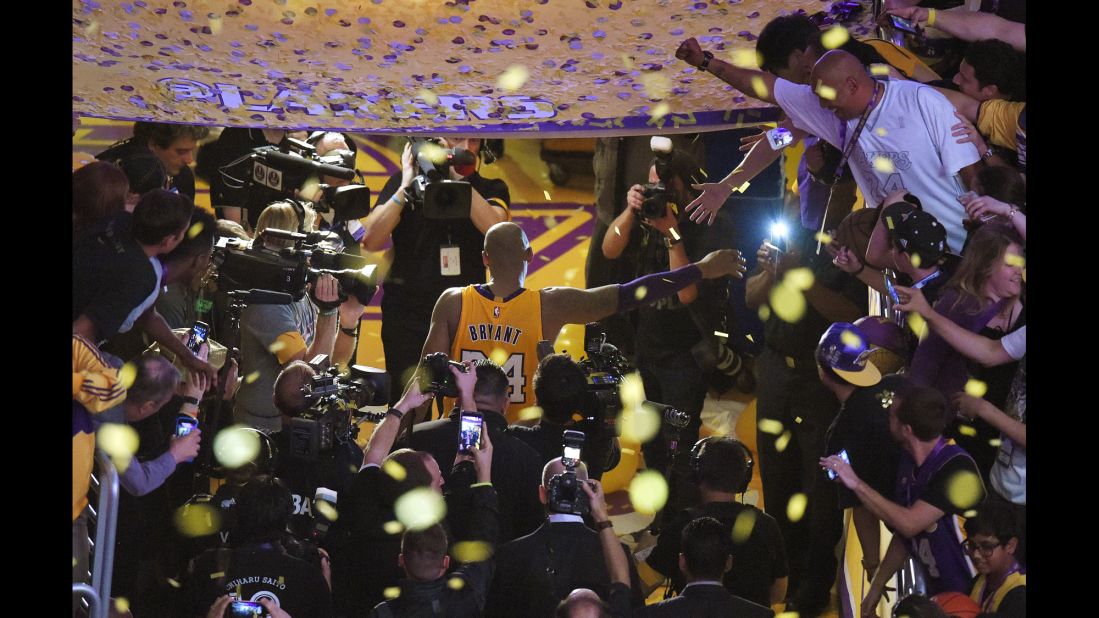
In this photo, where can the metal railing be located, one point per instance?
(105, 515)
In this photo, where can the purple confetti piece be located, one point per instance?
(442, 20)
(508, 31)
(204, 47)
(637, 22)
(562, 107)
(601, 80)
(575, 44)
(699, 5)
(398, 24)
(542, 32)
(245, 2)
(597, 56)
(145, 43)
(614, 6)
(455, 19)
(599, 34)
(531, 46)
(590, 4)
(108, 89)
(251, 27)
(587, 115)
(237, 53)
(161, 11)
(645, 36)
(739, 99)
(458, 40)
(753, 15)
(78, 99)
(526, 13)
(330, 12)
(624, 95)
(549, 64)
(179, 4)
(465, 68)
(162, 37)
(676, 31)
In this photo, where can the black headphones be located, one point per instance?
(299, 209)
(701, 464)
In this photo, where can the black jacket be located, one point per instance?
(705, 601)
(516, 469)
(535, 572)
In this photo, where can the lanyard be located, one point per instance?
(850, 146)
(990, 591)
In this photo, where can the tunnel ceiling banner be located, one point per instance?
(476, 67)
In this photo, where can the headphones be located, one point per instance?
(299, 210)
(701, 465)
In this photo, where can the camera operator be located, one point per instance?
(257, 566)
(335, 470)
(562, 389)
(515, 467)
(274, 335)
(425, 562)
(429, 255)
(173, 144)
(534, 573)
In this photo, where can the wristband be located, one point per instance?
(328, 312)
(931, 15)
(705, 64)
(393, 198)
(395, 412)
(350, 332)
(669, 242)
(603, 525)
(191, 400)
(862, 267)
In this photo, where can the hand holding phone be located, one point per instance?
(185, 424)
(891, 289)
(469, 431)
(199, 332)
(245, 609)
(842, 455)
(904, 25)
(779, 138)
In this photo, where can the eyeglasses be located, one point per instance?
(986, 548)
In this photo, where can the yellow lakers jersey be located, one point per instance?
(506, 331)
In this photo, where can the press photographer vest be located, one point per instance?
(512, 325)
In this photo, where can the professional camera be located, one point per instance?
(655, 204)
(288, 270)
(565, 495)
(433, 191)
(270, 173)
(438, 378)
(604, 367)
(334, 400)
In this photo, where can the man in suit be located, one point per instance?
(704, 560)
(537, 571)
(515, 468)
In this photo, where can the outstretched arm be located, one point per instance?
(969, 25)
(756, 84)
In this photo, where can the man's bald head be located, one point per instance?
(556, 467)
(582, 603)
(841, 83)
(506, 248)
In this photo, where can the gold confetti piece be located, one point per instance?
(788, 615)
(127, 374)
(281, 581)
(193, 520)
(964, 489)
(783, 441)
(795, 508)
(471, 551)
(236, 445)
(825, 91)
(648, 492)
(834, 37)
(787, 302)
(971, 513)
(217, 575)
(823, 238)
(215, 24)
(797, 419)
(743, 525)
(656, 85)
(195, 229)
(968, 430)
(275, 347)
(544, 258)
(631, 390)
(252, 377)
(917, 325)
(721, 334)
(392, 592)
(395, 470)
(434, 152)
(675, 234)
(455, 583)
(428, 96)
(393, 527)
(122, 604)
(570, 274)
(118, 440)
(881, 131)
(759, 87)
(1014, 259)
(641, 292)
(546, 193)
(498, 356)
(325, 508)
(749, 337)
(514, 78)
(639, 423)
(74, 560)
(420, 508)
(628, 451)
(530, 413)
(745, 58)
(764, 313)
(92, 29)
(744, 187)
(995, 442)
(879, 69)
(549, 222)
(661, 110)
(174, 584)
(617, 232)
(851, 339)
(884, 165)
(770, 426)
(800, 278)
(916, 260)
(976, 388)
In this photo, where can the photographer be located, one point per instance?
(257, 566)
(515, 465)
(173, 145)
(534, 573)
(274, 335)
(429, 255)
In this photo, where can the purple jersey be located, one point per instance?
(938, 548)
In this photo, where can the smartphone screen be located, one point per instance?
(185, 425)
(901, 23)
(842, 455)
(469, 435)
(892, 290)
(245, 609)
(198, 336)
(779, 138)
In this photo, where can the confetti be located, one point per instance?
(749, 337)
(881, 131)
(795, 508)
(976, 388)
(570, 274)
(675, 234)
(455, 583)
(394, 469)
(433, 152)
(971, 513)
(783, 441)
(964, 489)
(916, 260)
(195, 229)
(884, 165)
(631, 390)
(514, 78)
(879, 69)
(236, 445)
(770, 426)
(277, 346)
(851, 339)
(428, 96)
(499, 356)
(661, 110)
(656, 85)
(764, 313)
(834, 37)
(127, 374)
(995, 442)
(967, 430)
(118, 440)
(252, 377)
(325, 508)
(174, 584)
(531, 413)
(800, 278)
(825, 91)
(823, 238)
(393, 527)
(917, 325)
(391, 592)
(648, 492)
(122, 605)
(787, 302)
(420, 508)
(639, 423)
(546, 193)
(743, 525)
(617, 232)
(718, 333)
(471, 551)
(744, 187)
(759, 87)
(745, 58)
(1014, 259)
(194, 520)
(641, 292)
(215, 25)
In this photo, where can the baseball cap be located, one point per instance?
(915, 231)
(843, 349)
(887, 341)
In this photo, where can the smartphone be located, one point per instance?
(198, 335)
(892, 290)
(185, 424)
(469, 432)
(842, 455)
(904, 25)
(773, 252)
(779, 138)
(245, 609)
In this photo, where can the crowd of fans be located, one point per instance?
(891, 382)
